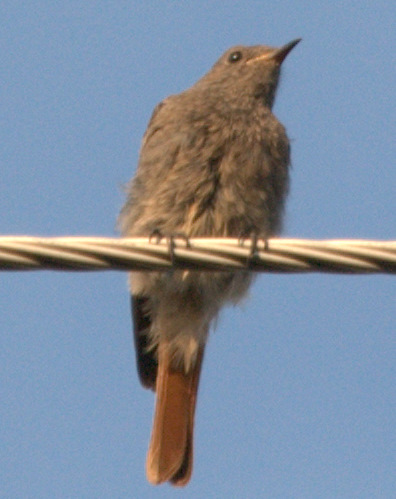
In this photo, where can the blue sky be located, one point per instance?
(297, 395)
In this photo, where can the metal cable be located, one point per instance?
(273, 255)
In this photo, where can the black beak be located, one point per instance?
(280, 54)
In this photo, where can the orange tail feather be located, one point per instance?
(170, 454)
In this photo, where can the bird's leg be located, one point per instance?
(171, 244)
(155, 236)
(253, 253)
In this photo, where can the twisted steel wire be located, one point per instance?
(272, 255)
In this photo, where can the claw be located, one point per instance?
(156, 234)
(171, 244)
(253, 253)
(171, 248)
(181, 235)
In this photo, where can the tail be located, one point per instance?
(170, 455)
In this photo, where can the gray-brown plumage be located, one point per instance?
(214, 162)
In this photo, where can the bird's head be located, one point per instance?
(247, 74)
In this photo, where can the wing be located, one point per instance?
(146, 359)
(177, 174)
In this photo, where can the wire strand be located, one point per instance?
(272, 255)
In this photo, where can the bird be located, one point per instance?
(214, 162)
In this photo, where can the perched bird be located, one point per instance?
(213, 162)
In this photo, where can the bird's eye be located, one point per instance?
(235, 56)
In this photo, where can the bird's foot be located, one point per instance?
(171, 244)
(253, 253)
(156, 237)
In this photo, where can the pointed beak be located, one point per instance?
(276, 55)
(279, 55)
